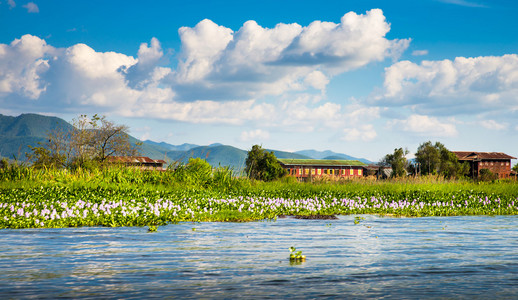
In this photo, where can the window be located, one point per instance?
(306, 171)
(360, 172)
(351, 172)
(319, 171)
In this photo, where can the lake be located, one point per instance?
(380, 257)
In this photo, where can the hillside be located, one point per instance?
(17, 133)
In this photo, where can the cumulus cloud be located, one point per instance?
(467, 85)
(32, 7)
(21, 65)
(254, 75)
(254, 135)
(255, 61)
(425, 126)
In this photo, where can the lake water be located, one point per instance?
(381, 257)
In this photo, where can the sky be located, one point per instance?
(356, 77)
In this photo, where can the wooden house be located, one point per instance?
(309, 168)
(142, 162)
(497, 162)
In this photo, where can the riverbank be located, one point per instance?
(79, 202)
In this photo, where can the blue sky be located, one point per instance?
(355, 77)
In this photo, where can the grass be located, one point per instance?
(130, 197)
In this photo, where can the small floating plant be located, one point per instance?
(152, 228)
(296, 256)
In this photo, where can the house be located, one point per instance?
(142, 162)
(497, 162)
(308, 168)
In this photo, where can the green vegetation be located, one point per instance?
(263, 165)
(397, 162)
(116, 196)
(296, 256)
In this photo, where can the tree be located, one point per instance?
(397, 161)
(515, 168)
(97, 138)
(428, 157)
(263, 165)
(90, 141)
(437, 159)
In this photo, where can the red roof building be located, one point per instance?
(497, 162)
(142, 162)
(305, 169)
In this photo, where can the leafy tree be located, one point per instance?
(428, 157)
(55, 153)
(437, 159)
(263, 165)
(397, 161)
(515, 168)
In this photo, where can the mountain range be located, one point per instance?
(17, 133)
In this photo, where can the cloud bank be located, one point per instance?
(254, 74)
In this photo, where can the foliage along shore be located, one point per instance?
(31, 198)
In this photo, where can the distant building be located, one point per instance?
(142, 162)
(308, 168)
(497, 162)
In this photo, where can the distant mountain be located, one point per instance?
(169, 147)
(330, 155)
(17, 133)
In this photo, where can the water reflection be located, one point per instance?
(380, 257)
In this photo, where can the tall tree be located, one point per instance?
(98, 138)
(428, 157)
(263, 165)
(91, 140)
(397, 161)
(437, 159)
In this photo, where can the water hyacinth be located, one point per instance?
(60, 207)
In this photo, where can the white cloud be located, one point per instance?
(361, 133)
(465, 85)
(217, 63)
(21, 64)
(11, 4)
(317, 80)
(493, 125)
(254, 135)
(425, 126)
(419, 52)
(221, 76)
(32, 7)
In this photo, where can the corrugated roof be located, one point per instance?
(320, 162)
(134, 159)
(471, 155)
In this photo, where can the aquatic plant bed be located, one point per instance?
(55, 205)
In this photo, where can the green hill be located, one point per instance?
(17, 133)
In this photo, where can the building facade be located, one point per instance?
(497, 162)
(308, 168)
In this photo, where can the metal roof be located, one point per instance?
(134, 159)
(320, 162)
(471, 155)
